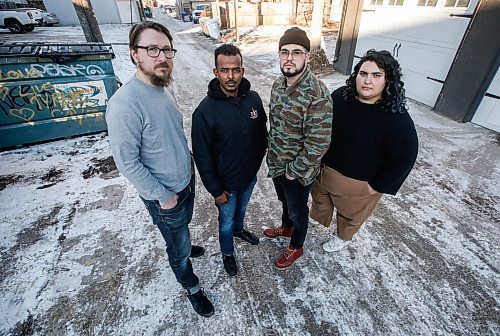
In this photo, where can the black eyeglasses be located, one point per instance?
(155, 51)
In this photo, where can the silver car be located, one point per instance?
(49, 19)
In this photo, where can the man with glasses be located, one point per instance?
(150, 150)
(300, 116)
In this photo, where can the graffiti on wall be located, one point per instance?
(25, 102)
(45, 70)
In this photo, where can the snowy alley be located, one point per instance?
(80, 256)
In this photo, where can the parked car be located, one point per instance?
(167, 8)
(18, 20)
(185, 15)
(198, 9)
(46, 18)
(49, 19)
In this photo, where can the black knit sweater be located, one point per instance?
(371, 144)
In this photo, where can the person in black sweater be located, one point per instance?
(373, 148)
(229, 138)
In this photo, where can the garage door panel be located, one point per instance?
(427, 60)
(418, 25)
(488, 112)
(420, 88)
(438, 29)
(378, 43)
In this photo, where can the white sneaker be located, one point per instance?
(335, 244)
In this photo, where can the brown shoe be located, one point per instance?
(280, 231)
(288, 257)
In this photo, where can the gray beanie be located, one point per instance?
(295, 35)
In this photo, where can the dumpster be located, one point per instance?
(52, 91)
(203, 24)
(213, 28)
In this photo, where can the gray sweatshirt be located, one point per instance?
(147, 140)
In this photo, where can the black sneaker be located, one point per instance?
(197, 251)
(247, 236)
(201, 304)
(230, 265)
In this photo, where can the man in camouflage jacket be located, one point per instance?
(300, 116)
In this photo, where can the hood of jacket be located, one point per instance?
(215, 91)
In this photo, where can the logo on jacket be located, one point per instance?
(253, 113)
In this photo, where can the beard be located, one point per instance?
(292, 72)
(156, 80)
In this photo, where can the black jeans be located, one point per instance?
(293, 197)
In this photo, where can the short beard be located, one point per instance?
(290, 74)
(160, 82)
(156, 80)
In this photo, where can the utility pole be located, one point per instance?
(88, 21)
(318, 59)
(217, 4)
(293, 12)
(141, 11)
(236, 20)
(317, 24)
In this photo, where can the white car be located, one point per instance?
(49, 19)
(18, 20)
(46, 18)
(197, 12)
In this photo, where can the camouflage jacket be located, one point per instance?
(300, 118)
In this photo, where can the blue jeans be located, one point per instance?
(231, 216)
(173, 225)
(293, 197)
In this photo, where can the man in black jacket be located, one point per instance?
(229, 138)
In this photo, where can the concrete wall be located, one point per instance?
(106, 11)
(123, 7)
(64, 10)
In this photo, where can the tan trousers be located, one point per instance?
(354, 203)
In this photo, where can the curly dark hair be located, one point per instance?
(227, 49)
(393, 95)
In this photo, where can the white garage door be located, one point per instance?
(488, 112)
(423, 35)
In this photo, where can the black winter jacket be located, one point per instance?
(229, 138)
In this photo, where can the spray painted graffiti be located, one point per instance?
(26, 102)
(27, 73)
(45, 70)
(60, 70)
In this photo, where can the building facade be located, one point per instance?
(448, 50)
(106, 11)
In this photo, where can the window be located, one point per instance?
(457, 3)
(395, 3)
(376, 2)
(427, 3)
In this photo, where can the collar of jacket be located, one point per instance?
(216, 92)
(305, 74)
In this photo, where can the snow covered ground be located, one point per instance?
(79, 256)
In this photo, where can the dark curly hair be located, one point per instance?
(393, 95)
(227, 49)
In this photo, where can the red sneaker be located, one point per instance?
(288, 258)
(280, 231)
